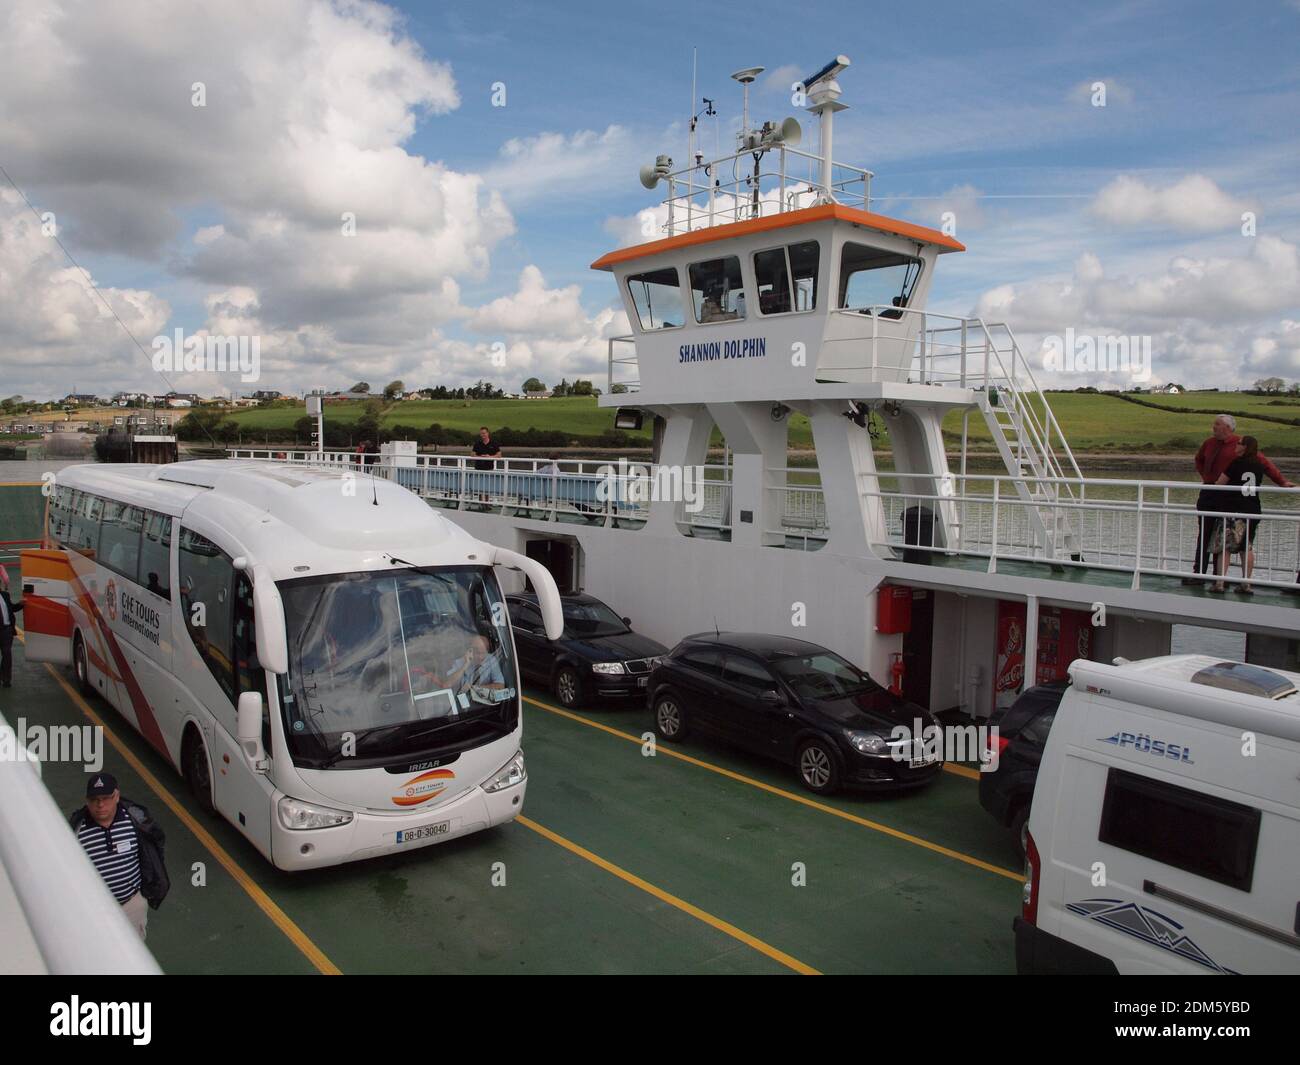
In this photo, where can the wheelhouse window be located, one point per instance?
(403, 662)
(657, 296)
(873, 281)
(787, 278)
(717, 290)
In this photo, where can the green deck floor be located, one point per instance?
(874, 902)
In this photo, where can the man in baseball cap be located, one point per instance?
(125, 845)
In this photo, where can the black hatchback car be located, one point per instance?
(598, 655)
(794, 701)
(1007, 791)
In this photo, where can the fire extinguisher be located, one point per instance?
(896, 670)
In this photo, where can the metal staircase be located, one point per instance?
(1024, 430)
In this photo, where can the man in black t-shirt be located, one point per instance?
(487, 448)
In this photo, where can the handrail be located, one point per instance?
(77, 925)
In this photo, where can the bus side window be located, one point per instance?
(207, 576)
(119, 538)
(156, 555)
(84, 536)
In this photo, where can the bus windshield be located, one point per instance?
(390, 664)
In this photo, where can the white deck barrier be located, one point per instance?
(1142, 528)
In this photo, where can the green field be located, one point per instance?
(1091, 422)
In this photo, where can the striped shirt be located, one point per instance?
(115, 850)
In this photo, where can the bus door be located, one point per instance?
(46, 617)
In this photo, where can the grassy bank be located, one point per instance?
(1092, 422)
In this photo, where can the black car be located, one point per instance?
(796, 702)
(598, 656)
(1007, 791)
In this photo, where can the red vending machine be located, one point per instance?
(1063, 636)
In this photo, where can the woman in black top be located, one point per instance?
(1246, 472)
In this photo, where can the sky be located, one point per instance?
(201, 164)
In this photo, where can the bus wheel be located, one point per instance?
(197, 774)
(80, 666)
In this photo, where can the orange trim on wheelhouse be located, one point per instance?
(709, 234)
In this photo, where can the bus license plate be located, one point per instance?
(409, 835)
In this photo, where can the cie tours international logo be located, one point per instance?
(110, 600)
(424, 787)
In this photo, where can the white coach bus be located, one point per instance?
(327, 660)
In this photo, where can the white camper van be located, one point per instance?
(1165, 830)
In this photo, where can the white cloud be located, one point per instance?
(534, 309)
(1213, 320)
(308, 107)
(56, 332)
(1192, 204)
(564, 167)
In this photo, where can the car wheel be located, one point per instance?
(198, 775)
(670, 719)
(568, 687)
(80, 666)
(1020, 829)
(819, 769)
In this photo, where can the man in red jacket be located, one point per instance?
(1213, 457)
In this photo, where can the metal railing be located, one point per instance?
(619, 362)
(1141, 528)
(737, 188)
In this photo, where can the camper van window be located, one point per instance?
(870, 277)
(657, 296)
(1202, 834)
(717, 290)
(787, 278)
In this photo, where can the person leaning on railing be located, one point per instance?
(1213, 458)
(1237, 535)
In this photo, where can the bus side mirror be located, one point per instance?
(248, 730)
(548, 595)
(272, 640)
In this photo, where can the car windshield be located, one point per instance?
(823, 675)
(585, 620)
(393, 663)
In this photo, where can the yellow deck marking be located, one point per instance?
(663, 748)
(264, 901)
(722, 926)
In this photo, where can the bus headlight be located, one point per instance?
(299, 816)
(607, 667)
(507, 776)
